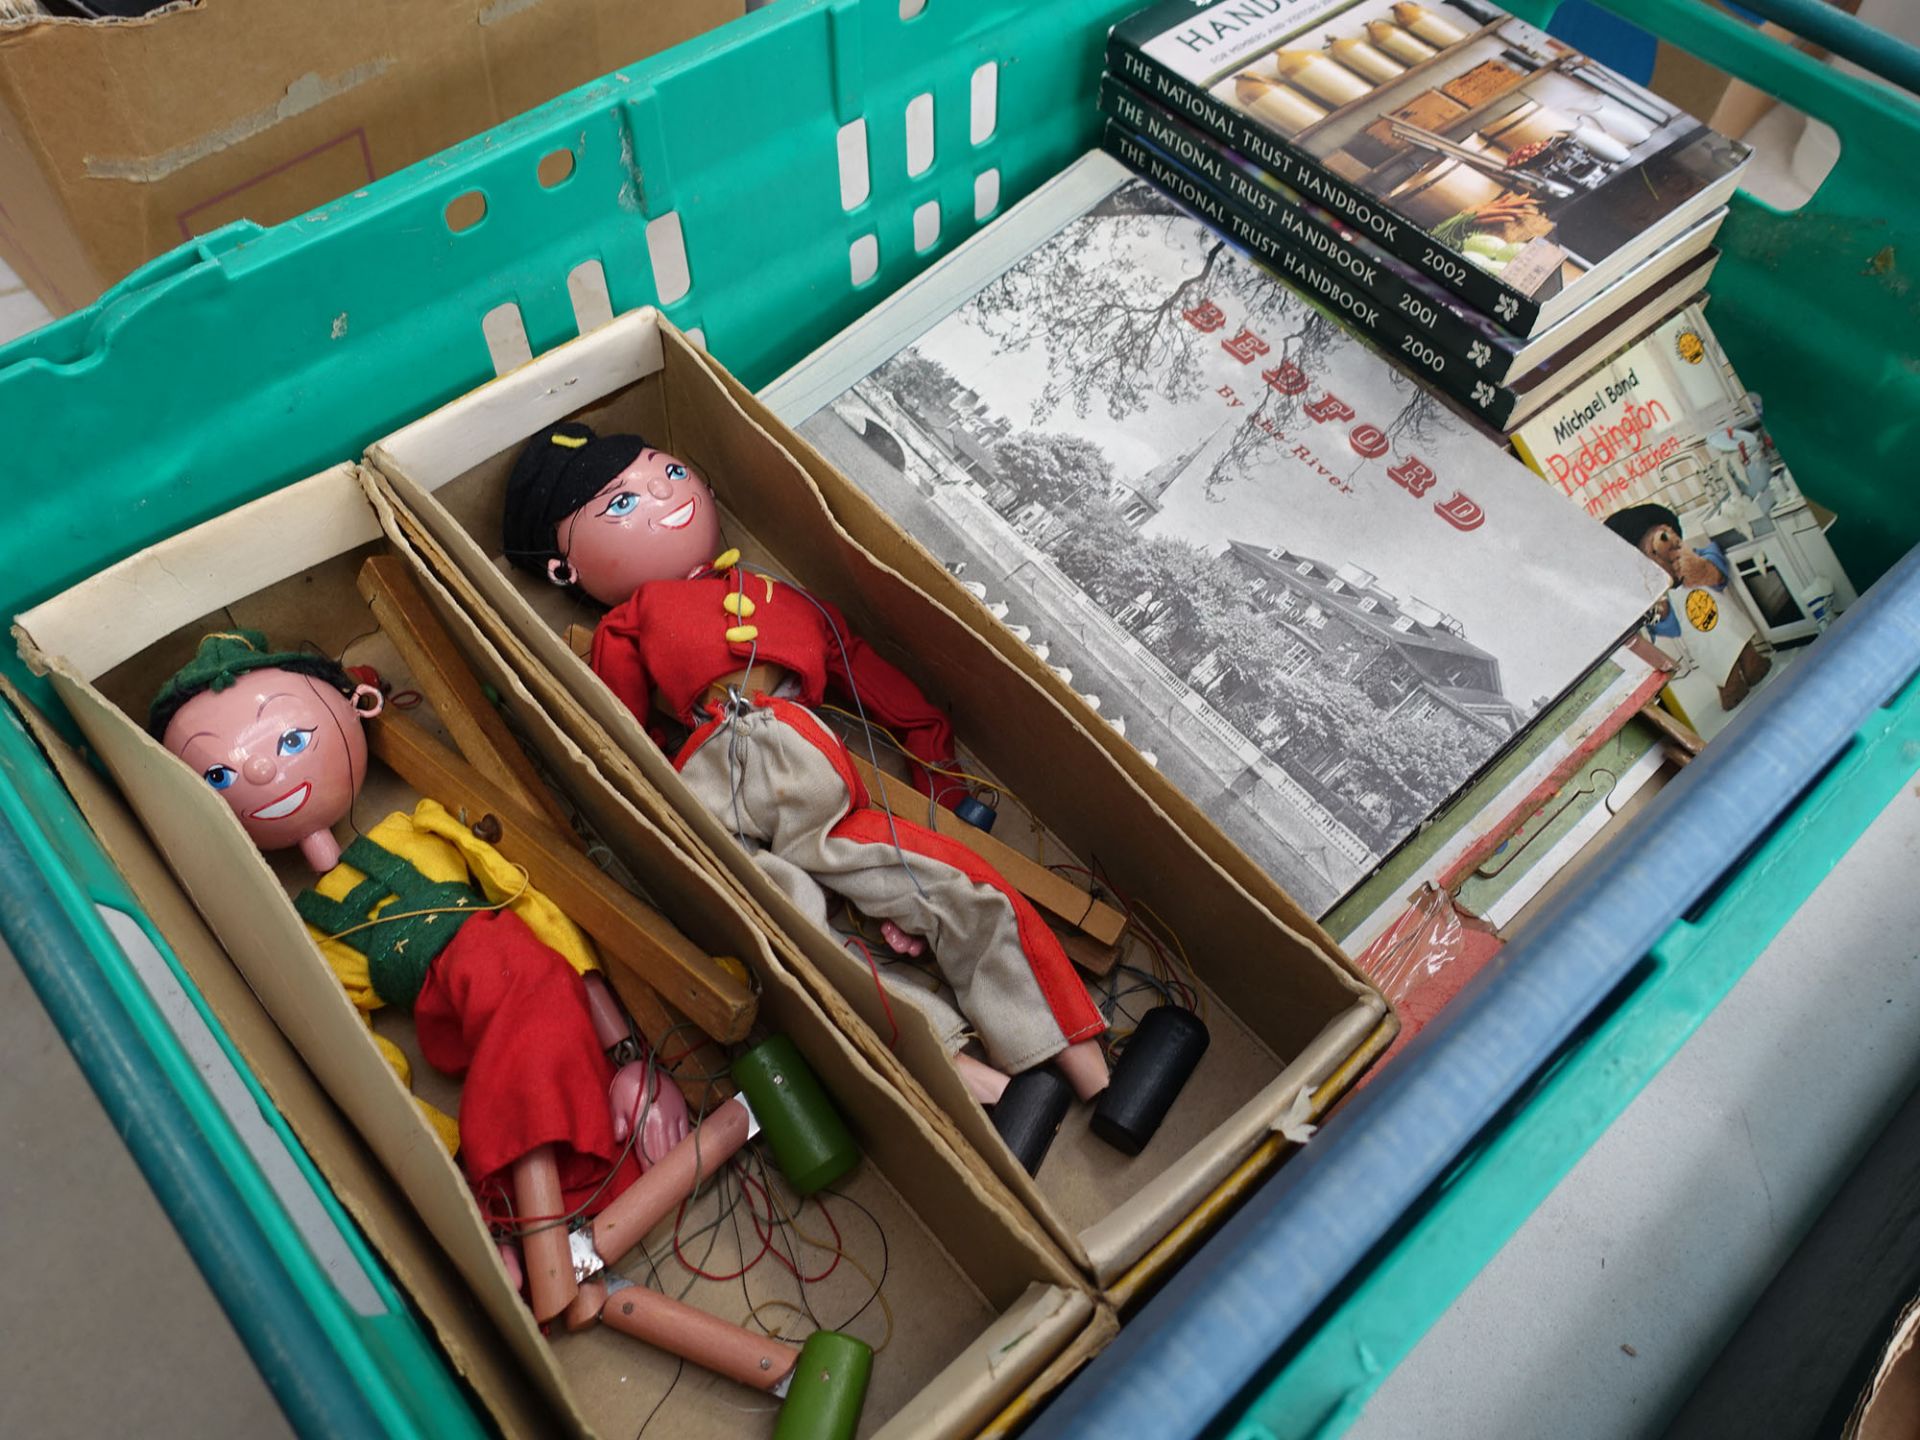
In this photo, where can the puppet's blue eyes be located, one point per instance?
(294, 741)
(219, 776)
(676, 472)
(621, 504)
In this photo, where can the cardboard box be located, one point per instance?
(1289, 1021)
(122, 139)
(977, 1308)
(1889, 1407)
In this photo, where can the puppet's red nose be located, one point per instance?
(257, 768)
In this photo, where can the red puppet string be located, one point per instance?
(766, 1241)
(886, 1005)
(838, 1248)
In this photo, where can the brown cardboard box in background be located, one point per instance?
(122, 139)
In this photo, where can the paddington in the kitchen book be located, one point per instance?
(1668, 447)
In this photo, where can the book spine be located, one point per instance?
(1282, 212)
(1403, 345)
(1515, 312)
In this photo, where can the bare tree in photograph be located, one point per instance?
(1112, 332)
(1115, 334)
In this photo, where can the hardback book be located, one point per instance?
(1546, 383)
(1633, 303)
(1408, 346)
(1669, 448)
(1507, 166)
(1423, 954)
(1567, 828)
(1316, 597)
(1500, 405)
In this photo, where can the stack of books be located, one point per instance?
(1530, 234)
(1229, 422)
(1496, 211)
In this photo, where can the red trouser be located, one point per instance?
(509, 1014)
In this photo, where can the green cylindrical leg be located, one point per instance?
(828, 1388)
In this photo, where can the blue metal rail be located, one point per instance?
(1225, 1315)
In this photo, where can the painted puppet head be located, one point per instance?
(277, 734)
(607, 513)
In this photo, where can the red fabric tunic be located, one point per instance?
(670, 637)
(506, 1014)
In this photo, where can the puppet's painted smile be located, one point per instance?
(285, 805)
(678, 519)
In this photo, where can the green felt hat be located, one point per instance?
(224, 657)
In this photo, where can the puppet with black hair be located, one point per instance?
(740, 658)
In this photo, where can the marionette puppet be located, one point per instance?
(739, 657)
(422, 913)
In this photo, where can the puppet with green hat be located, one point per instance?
(276, 732)
(420, 912)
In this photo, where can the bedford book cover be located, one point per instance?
(1514, 153)
(1668, 447)
(1313, 596)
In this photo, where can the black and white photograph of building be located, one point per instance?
(1212, 555)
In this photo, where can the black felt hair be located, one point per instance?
(562, 468)
(1632, 523)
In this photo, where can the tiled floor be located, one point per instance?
(109, 1328)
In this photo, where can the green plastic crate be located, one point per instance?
(250, 358)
